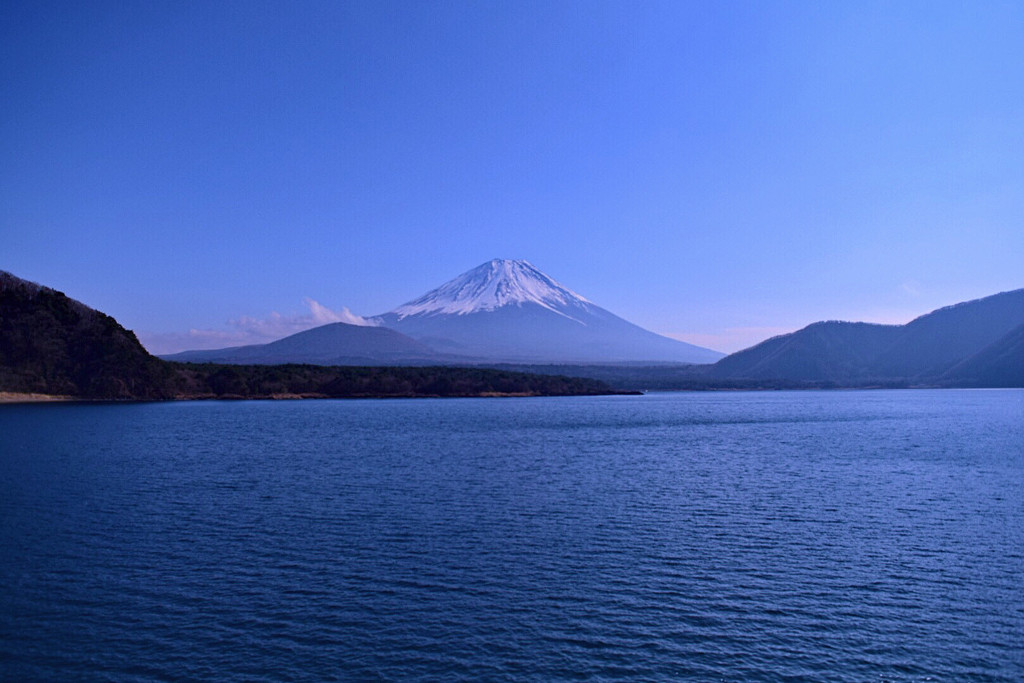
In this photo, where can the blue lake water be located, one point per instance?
(842, 536)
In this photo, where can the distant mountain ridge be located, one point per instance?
(932, 343)
(970, 342)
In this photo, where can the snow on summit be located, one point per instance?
(493, 285)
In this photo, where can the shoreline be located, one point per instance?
(8, 397)
(18, 397)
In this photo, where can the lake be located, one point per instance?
(740, 536)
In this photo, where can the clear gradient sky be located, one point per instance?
(715, 171)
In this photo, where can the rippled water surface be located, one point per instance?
(860, 536)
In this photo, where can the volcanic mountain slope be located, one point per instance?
(975, 342)
(333, 344)
(508, 311)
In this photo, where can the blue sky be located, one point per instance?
(716, 171)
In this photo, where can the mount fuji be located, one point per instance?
(509, 311)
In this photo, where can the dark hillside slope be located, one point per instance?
(931, 345)
(827, 351)
(52, 344)
(999, 365)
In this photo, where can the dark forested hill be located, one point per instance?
(51, 344)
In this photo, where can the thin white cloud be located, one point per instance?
(248, 330)
(911, 288)
(322, 315)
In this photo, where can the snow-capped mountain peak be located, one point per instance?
(493, 285)
(508, 311)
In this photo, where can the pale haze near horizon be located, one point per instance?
(715, 172)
